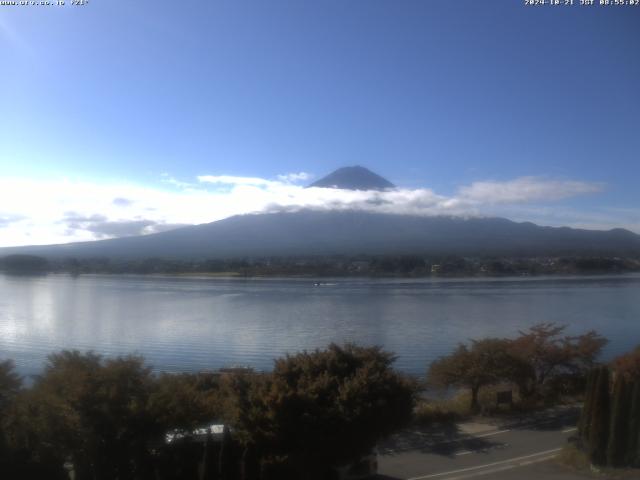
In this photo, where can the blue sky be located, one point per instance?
(138, 99)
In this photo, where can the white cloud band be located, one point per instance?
(525, 189)
(40, 212)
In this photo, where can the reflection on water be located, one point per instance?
(182, 324)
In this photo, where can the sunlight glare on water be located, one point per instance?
(192, 324)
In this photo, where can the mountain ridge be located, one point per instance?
(349, 232)
(352, 232)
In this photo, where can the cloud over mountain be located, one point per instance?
(102, 227)
(60, 211)
(525, 189)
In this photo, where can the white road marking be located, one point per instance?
(567, 430)
(464, 452)
(503, 468)
(537, 460)
(490, 434)
(501, 462)
(486, 472)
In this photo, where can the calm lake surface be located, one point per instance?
(190, 324)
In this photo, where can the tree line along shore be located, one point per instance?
(324, 266)
(312, 416)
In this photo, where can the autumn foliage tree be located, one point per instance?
(628, 364)
(535, 361)
(483, 362)
(544, 353)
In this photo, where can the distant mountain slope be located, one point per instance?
(354, 178)
(350, 232)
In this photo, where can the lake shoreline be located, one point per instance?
(322, 278)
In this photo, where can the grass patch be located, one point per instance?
(458, 406)
(571, 456)
(575, 459)
(428, 412)
(447, 410)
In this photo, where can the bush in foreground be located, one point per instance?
(322, 409)
(106, 418)
(609, 426)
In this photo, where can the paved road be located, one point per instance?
(522, 450)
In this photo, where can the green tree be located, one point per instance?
(587, 408)
(211, 459)
(185, 400)
(10, 385)
(250, 463)
(618, 435)
(227, 460)
(324, 408)
(633, 440)
(599, 425)
(484, 362)
(24, 264)
(95, 412)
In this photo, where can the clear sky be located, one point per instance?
(122, 117)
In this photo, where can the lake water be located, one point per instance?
(190, 324)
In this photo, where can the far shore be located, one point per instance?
(325, 280)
